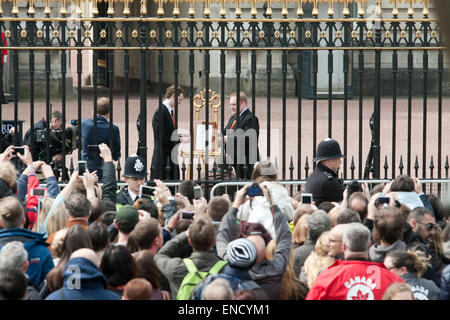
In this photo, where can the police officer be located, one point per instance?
(323, 183)
(134, 176)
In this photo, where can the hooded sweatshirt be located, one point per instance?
(422, 289)
(378, 252)
(410, 199)
(39, 256)
(92, 283)
(258, 210)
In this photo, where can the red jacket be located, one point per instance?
(352, 280)
(32, 201)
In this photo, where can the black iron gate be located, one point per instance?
(272, 37)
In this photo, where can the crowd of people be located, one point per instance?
(91, 240)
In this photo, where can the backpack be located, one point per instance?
(194, 277)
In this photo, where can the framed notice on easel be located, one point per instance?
(200, 136)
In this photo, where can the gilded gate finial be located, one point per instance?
(410, 7)
(15, 9)
(361, 11)
(346, 10)
(315, 11)
(300, 7)
(269, 7)
(425, 10)
(238, 10)
(94, 7)
(31, 10)
(395, 7)
(176, 8)
(126, 7)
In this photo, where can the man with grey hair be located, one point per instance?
(355, 278)
(218, 289)
(13, 256)
(318, 223)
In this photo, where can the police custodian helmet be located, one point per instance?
(135, 167)
(328, 149)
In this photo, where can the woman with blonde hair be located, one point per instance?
(300, 233)
(291, 287)
(398, 291)
(46, 205)
(317, 261)
(58, 220)
(410, 266)
(334, 214)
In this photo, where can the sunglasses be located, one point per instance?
(430, 226)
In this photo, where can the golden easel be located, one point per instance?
(199, 101)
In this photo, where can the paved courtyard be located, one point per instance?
(292, 134)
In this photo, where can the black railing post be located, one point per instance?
(31, 32)
(47, 42)
(144, 42)
(377, 99)
(126, 71)
(79, 44)
(160, 43)
(110, 64)
(425, 27)
(64, 43)
(396, 28)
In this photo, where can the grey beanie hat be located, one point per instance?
(241, 253)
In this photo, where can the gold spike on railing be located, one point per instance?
(176, 8)
(253, 10)
(191, 11)
(378, 11)
(222, 10)
(31, 10)
(361, 11)
(160, 11)
(425, 11)
(63, 10)
(394, 7)
(315, 11)
(207, 10)
(346, 10)
(330, 7)
(284, 10)
(1, 9)
(143, 10)
(300, 7)
(238, 10)
(47, 10)
(126, 7)
(410, 7)
(78, 5)
(110, 7)
(94, 7)
(15, 9)
(269, 7)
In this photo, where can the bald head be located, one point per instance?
(218, 289)
(260, 245)
(87, 254)
(335, 240)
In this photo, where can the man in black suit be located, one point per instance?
(242, 131)
(163, 127)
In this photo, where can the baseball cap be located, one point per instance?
(126, 218)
